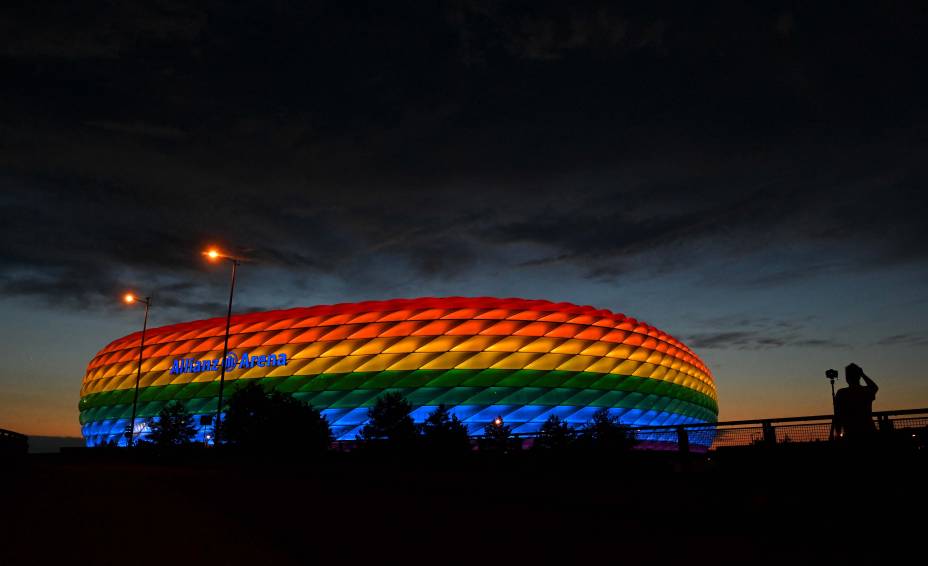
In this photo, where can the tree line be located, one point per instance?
(270, 421)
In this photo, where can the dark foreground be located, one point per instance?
(790, 505)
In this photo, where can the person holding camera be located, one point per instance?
(854, 406)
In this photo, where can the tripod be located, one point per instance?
(832, 434)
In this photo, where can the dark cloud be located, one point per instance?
(759, 333)
(384, 143)
(756, 340)
(905, 339)
(47, 30)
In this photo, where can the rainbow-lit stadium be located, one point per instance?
(524, 360)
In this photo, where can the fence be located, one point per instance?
(816, 428)
(704, 437)
(13, 442)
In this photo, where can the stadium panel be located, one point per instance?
(523, 360)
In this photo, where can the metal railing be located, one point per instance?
(817, 428)
(13, 442)
(704, 437)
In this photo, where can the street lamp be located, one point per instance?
(130, 299)
(213, 254)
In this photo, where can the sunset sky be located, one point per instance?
(750, 180)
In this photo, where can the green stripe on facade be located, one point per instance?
(424, 387)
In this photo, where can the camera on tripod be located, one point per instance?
(831, 374)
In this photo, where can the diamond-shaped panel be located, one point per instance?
(520, 359)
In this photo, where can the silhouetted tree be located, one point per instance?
(497, 436)
(555, 434)
(605, 432)
(110, 443)
(244, 422)
(174, 427)
(443, 431)
(273, 421)
(390, 422)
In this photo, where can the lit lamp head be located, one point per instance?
(132, 298)
(215, 254)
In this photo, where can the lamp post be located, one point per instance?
(213, 255)
(130, 299)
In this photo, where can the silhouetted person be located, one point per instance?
(854, 406)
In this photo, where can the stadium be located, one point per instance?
(523, 360)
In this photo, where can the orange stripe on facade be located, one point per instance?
(577, 329)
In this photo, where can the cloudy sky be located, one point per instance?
(750, 179)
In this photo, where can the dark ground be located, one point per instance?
(52, 444)
(794, 505)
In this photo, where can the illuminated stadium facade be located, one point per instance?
(524, 360)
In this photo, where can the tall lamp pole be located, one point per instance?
(130, 299)
(213, 255)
